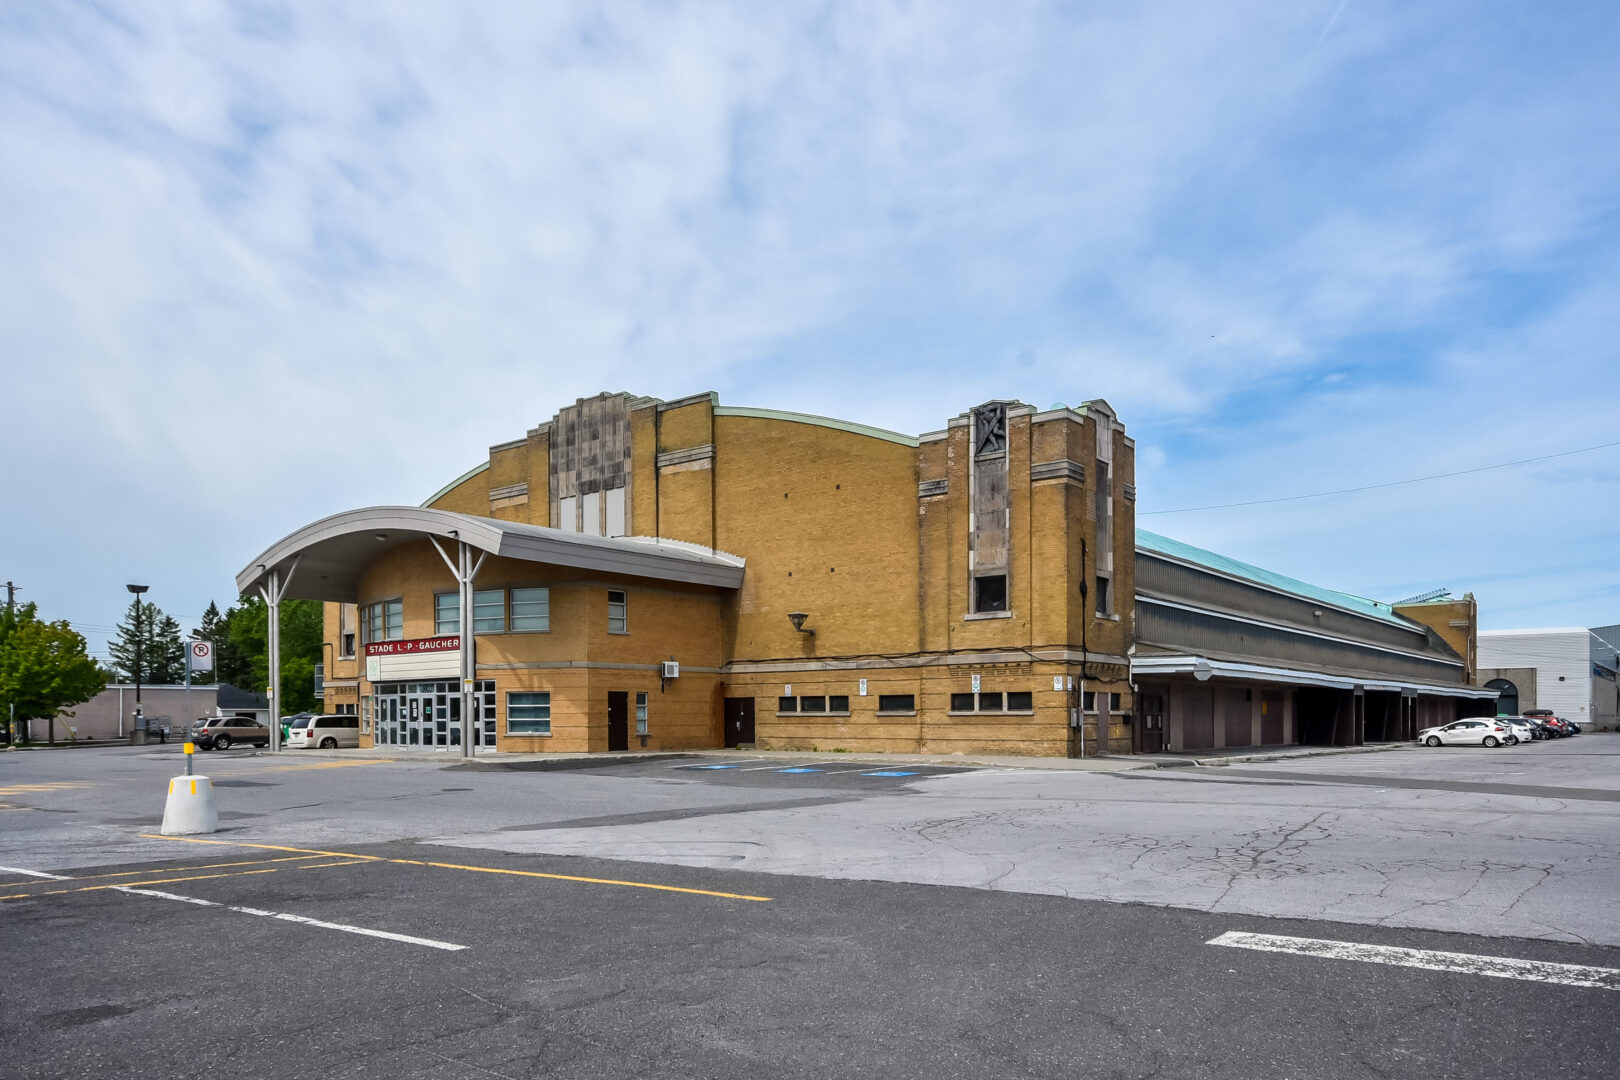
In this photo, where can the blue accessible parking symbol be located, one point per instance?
(800, 769)
(890, 772)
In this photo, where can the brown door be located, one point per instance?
(1271, 718)
(1197, 720)
(739, 721)
(1239, 724)
(618, 720)
(1152, 710)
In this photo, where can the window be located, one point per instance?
(385, 621)
(348, 615)
(531, 609)
(990, 593)
(590, 509)
(1105, 495)
(1103, 603)
(819, 704)
(446, 613)
(1113, 703)
(641, 712)
(615, 512)
(994, 701)
(567, 515)
(618, 613)
(528, 713)
(489, 611)
(897, 703)
(1088, 701)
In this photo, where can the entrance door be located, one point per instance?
(1152, 710)
(618, 720)
(739, 722)
(1239, 723)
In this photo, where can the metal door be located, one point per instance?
(1239, 721)
(1197, 719)
(1152, 709)
(1271, 718)
(618, 720)
(739, 721)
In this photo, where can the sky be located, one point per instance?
(266, 262)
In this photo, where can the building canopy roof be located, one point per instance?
(1155, 544)
(331, 554)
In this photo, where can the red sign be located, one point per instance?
(410, 648)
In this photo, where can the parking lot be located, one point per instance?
(357, 916)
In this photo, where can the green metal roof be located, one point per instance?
(1222, 564)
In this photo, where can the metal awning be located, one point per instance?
(330, 554)
(1197, 666)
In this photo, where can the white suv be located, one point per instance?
(324, 732)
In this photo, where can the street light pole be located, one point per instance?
(137, 736)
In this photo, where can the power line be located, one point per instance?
(1375, 487)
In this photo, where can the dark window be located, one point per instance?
(961, 703)
(787, 704)
(814, 704)
(1113, 703)
(348, 644)
(990, 702)
(897, 703)
(1088, 701)
(1020, 701)
(1102, 597)
(990, 593)
(838, 703)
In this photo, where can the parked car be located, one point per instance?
(324, 732)
(1540, 730)
(289, 722)
(224, 732)
(1538, 714)
(1556, 726)
(1465, 733)
(1517, 731)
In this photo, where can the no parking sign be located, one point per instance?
(202, 655)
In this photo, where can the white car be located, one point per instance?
(1466, 733)
(323, 732)
(1518, 730)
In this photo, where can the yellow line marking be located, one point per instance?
(63, 785)
(474, 869)
(166, 870)
(133, 884)
(325, 865)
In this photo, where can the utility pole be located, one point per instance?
(11, 596)
(138, 735)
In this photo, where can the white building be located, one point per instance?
(1557, 669)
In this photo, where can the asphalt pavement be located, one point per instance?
(357, 917)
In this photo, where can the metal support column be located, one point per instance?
(272, 591)
(465, 568)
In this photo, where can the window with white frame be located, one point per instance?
(641, 712)
(446, 613)
(531, 610)
(489, 611)
(618, 613)
(994, 701)
(528, 713)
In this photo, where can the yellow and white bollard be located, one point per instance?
(190, 808)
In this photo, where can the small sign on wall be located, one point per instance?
(1057, 682)
(787, 691)
(975, 684)
(863, 688)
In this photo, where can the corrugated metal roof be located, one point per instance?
(1222, 564)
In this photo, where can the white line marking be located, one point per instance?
(1499, 967)
(32, 873)
(303, 919)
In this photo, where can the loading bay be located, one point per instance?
(1410, 913)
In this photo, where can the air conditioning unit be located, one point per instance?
(672, 669)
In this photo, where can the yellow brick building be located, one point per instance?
(684, 574)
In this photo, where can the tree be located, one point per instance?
(43, 666)
(169, 666)
(302, 631)
(231, 664)
(151, 652)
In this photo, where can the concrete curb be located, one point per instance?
(1304, 752)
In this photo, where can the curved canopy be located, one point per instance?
(332, 553)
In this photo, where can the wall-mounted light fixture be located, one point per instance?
(797, 619)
